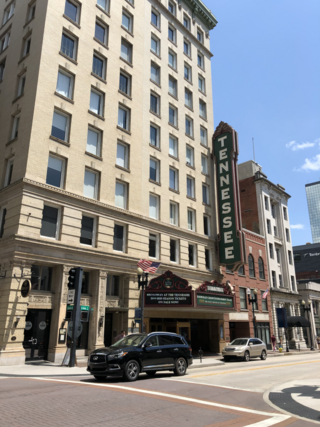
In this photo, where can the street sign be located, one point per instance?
(71, 294)
(82, 307)
(137, 315)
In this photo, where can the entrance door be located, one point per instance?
(36, 334)
(184, 329)
(108, 329)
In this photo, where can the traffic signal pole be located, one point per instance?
(76, 313)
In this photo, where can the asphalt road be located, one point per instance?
(236, 394)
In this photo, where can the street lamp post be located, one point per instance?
(142, 283)
(253, 301)
(303, 303)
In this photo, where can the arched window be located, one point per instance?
(241, 270)
(261, 268)
(251, 266)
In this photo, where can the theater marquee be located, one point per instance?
(231, 239)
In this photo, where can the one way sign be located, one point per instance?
(71, 294)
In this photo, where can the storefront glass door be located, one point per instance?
(36, 334)
(184, 329)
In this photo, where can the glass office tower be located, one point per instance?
(313, 198)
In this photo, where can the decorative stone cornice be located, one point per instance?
(202, 12)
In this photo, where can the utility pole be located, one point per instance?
(74, 285)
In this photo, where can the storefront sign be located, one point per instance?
(215, 289)
(225, 145)
(25, 288)
(165, 299)
(214, 300)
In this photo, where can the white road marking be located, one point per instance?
(214, 385)
(273, 417)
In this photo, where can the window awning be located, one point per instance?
(298, 321)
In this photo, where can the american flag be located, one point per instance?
(148, 266)
(265, 294)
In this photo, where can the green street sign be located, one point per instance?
(230, 236)
(83, 307)
(214, 301)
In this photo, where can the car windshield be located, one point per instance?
(239, 342)
(130, 341)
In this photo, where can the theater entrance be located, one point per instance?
(36, 334)
(170, 325)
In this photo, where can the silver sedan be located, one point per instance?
(245, 348)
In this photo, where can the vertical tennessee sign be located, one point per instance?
(225, 147)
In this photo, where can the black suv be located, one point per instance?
(135, 353)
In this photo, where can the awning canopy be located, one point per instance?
(297, 321)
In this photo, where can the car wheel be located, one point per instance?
(181, 366)
(100, 377)
(246, 356)
(151, 373)
(226, 359)
(132, 370)
(263, 355)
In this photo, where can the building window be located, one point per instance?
(202, 109)
(261, 268)
(172, 34)
(174, 250)
(72, 11)
(126, 51)
(65, 84)
(94, 138)
(192, 255)
(293, 284)
(269, 226)
(205, 194)
(190, 187)
(121, 195)
(155, 103)
(172, 7)
(127, 21)
(271, 250)
(201, 84)
(290, 257)
(191, 220)
(68, 46)
(280, 281)
(241, 271)
(154, 206)
(155, 73)
(2, 67)
(119, 238)
(243, 298)
(187, 48)
(9, 170)
(101, 33)
(154, 170)
(187, 72)
(8, 12)
(122, 155)
(285, 213)
(3, 213)
(99, 66)
(96, 102)
(174, 213)
(251, 266)
(87, 231)
(173, 86)
(189, 126)
(113, 285)
(264, 302)
(172, 59)
(4, 41)
(203, 136)
(204, 164)
(41, 277)
(124, 118)
(278, 255)
(287, 235)
(155, 18)
(208, 260)
(104, 4)
(15, 127)
(206, 225)
(154, 136)
(125, 83)
(274, 279)
(155, 45)
(189, 156)
(188, 98)
(273, 211)
(56, 171)
(266, 203)
(173, 146)
(154, 245)
(173, 179)
(91, 183)
(173, 115)
(200, 60)
(50, 222)
(200, 36)
(186, 22)
(60, 126)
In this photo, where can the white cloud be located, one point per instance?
(312, 164)
(297, 226)
(296, 146)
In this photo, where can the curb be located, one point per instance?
(206, 365)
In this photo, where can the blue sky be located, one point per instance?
(266, 85)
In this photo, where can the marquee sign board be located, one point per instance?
(231, 239)
(215, 295)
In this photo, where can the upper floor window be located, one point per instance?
(96, 102)
(205, 194)
(104, 4)
(155, 73)
(200, 60)
(287, 235)
(174, 213)
(72, 11)
(200, 35)
(273, 210)
(201, 84)
(172, 7)
(268, 226)
(189, 155)
(241, 270)
(8, 12)
(293, 284)
(55, 171)
(101, 33)
(3, 212)
(125, 83)
(173, 179)
(119, 238)
(202, 109)
(155, 18)
(127, 21)
(285, 213)
(192, 252)
(204, 164)
(173, 146)
(113, 285)
(189, 126)
(190, 187)
(187, 72)
(65, 84)
(271, 250)
(124, 118)
(274, 279)
(191, 220)
(50, 222)
(203, 136)
(261, 268)
(155, 45)
(32, 11)
(155, 103)
(90, 185)
(153, 245)
(172, 59)
(186, 22)
(9, 169)
(26, 46)
(208, 260)
(173, 115)
(155, 135)
(87, 231)
(154, 206)
(21, 84)
(290, 257)
(60, 126)
(172, 34)
(121, 195)
(2, 67)
(174, 250)
(154, 170)
(173, 86)
(122, 155)
(266, 202)
(94, 138)
(206, 225)
(251, 266)
(126, 51)
(68, 46)
(4, 41)
(99, 66)
(187, 48)
(15, 127)
(188, 98)
(41, 277)
(243, 298)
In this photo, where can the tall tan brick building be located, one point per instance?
(105, 121)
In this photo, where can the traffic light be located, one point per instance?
(72, 278)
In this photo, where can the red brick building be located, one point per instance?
(254, 275)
